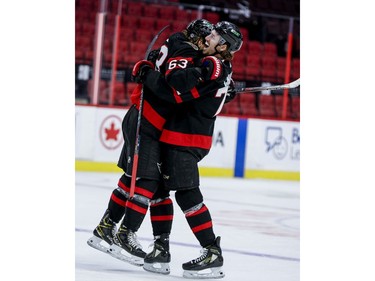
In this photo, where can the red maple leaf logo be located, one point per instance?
(111, 132)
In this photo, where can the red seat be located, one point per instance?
(151, 11)
(280, 69)
(266, 106)
(167, 12)
(138, 48)
(295, 105)
(130, 21)
(255, 48)
(88, 28)
(144, 35)
(135, 9)
(253, 67)
(269, 69)
(269, 50)
(147, 23)
(211, 17)
(295, 69)
(279, 100)
(159, 24)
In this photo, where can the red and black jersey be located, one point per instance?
(192, 125)
(175, 64)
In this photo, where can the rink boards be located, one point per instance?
(250, 148)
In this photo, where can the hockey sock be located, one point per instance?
(136, 208)
(197, 215)
(161, 211)
(118, 200)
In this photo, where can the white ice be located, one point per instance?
(258, 221)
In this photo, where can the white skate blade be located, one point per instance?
(98, 243)
(208, 273)
(161, 268)
(119, 253)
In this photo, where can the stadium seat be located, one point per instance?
(147, 23)
(279, 99)
(253, 67)
(135, 9)
(232, 108)
(167, 12)
(159, 24)
(269, 50)
(269, 69)
(138, 48)
(295, 104)
(130, 21)
(248, 104)
(255, 48)
(266, 106)
(295, 69)
(280, 69)
(151, 11)
(145, 36)
(211, 17)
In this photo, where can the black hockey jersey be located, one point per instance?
(175, 61)
(192, 124)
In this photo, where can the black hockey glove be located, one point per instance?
(212, 69)
(153, 56)
(231, 93)
(140, 69)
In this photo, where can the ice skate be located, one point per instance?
(208, 265)
(126, 247)
(103, 234)
(158, 260)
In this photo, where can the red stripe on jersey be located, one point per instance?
(182, 139)
(152, 116)
(136, 208)
(195, 93)
(176, 96)
(164, 202)
(143, 192)
(123, 186)
(202, 227)
(200, 211)
(162, 218)
(118, 201)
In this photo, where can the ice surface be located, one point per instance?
(258, 221)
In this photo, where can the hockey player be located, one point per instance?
(187, 138)
(124, 244)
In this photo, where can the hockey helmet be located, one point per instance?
(199, 29)
(230, 34)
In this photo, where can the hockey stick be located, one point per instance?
(290, 85)
(137, 135)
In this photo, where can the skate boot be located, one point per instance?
(158, 260)
(208, 265)
(103, 234)
(126, 247)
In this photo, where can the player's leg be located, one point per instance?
(161, 213)
(106, 229)
(181, 173)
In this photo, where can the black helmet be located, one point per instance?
(199, 29)
(231, 34)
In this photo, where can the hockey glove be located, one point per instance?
(153, 56)
(231, 93)
(140, 69)
(212, 69)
